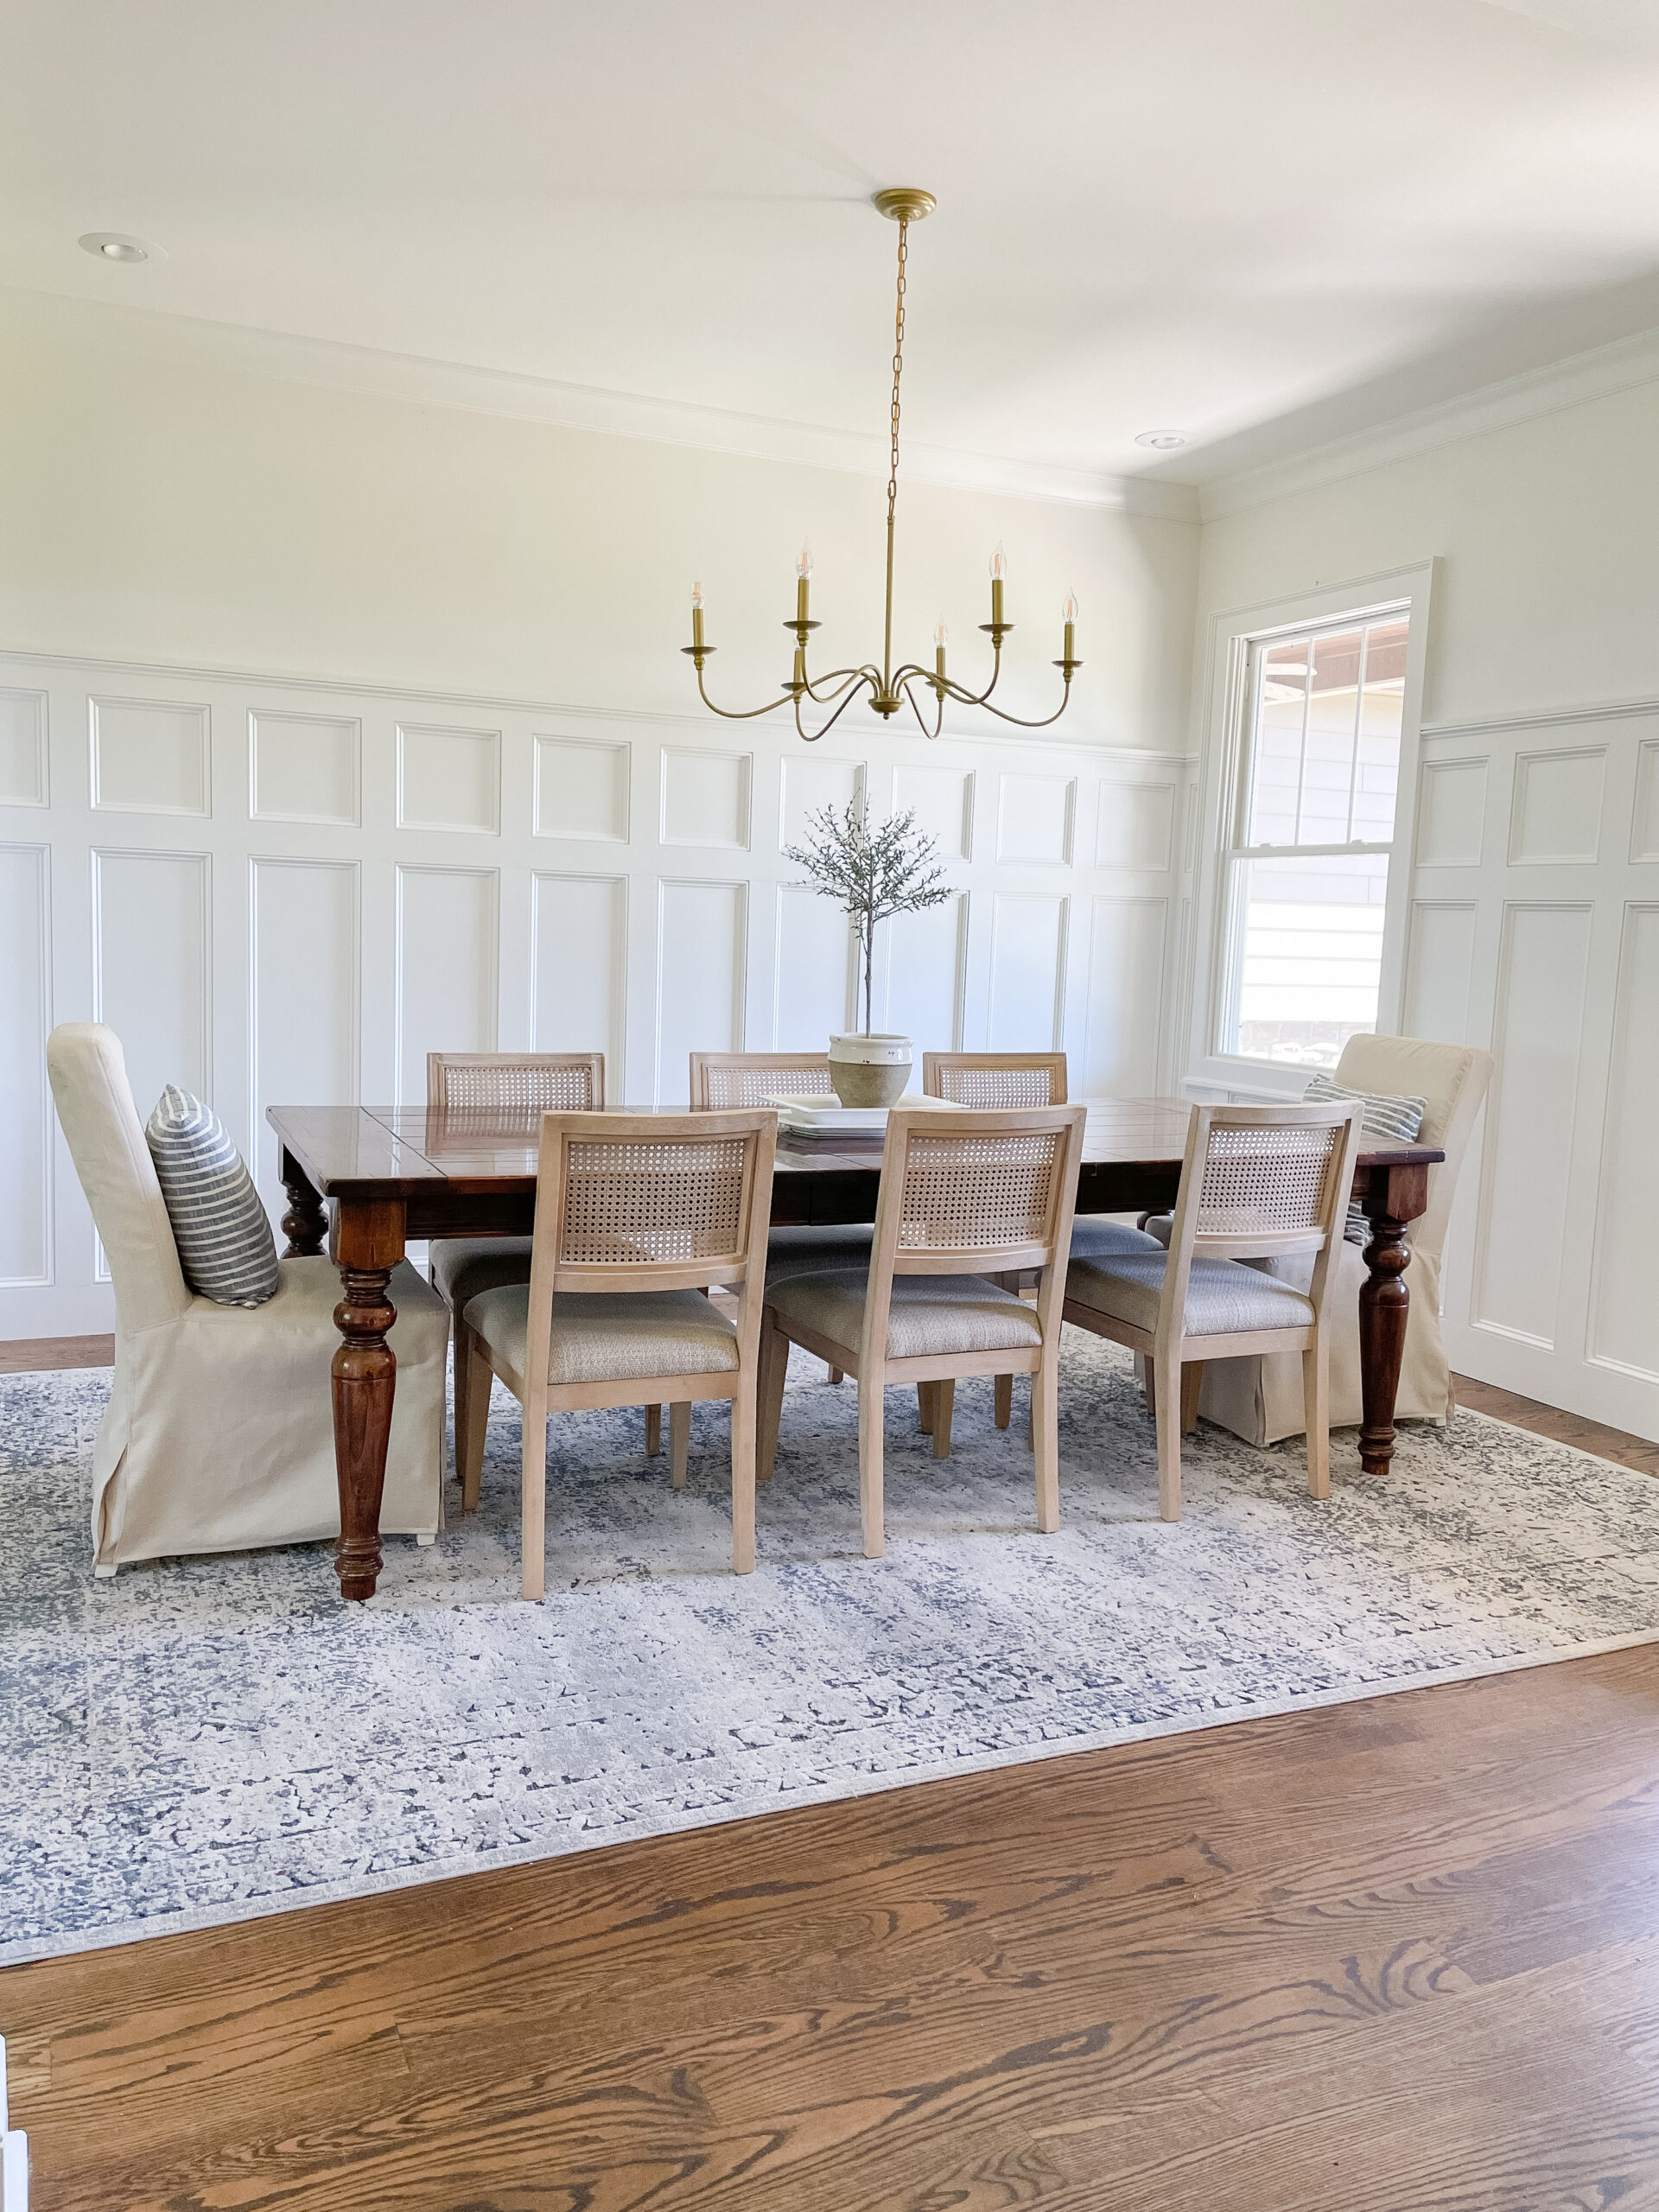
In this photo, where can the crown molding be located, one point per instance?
(184, 672)
(1570, 382)
(191, 341)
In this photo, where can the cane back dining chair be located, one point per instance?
(964, 1198)
(1257, 1182)
(481, 1088)
(637, 1217)
(1007, 1079)
(720, 1080)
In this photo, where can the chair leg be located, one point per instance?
(870, 1408)
(462, 1377)
(1192, 1383)
(774, 1367)
(836, 1376)
(1167, 1414)
(654, 1432)
(1045, 1436)
(1149, 1381)
(743, 1427)
(924, 1408)
(679, 1440)
(1002, 1400)
(469, 1439)
(945, 1399)
(532, 1510)
(1316, 1414)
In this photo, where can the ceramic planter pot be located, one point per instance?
(870, 1070)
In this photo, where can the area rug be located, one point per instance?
(204, 1740)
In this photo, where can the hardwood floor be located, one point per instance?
(36, 1354)
(1402, 1954)
(1396, 1957)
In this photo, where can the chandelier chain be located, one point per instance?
(898, 367)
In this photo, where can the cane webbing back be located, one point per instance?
(482, 1083)
(720, 1080)
(1265, 1179)
(973, 1194)
(680, 1199)
(995, 1079)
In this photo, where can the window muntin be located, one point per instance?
(1308, 868)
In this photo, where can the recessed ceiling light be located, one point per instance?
(1160, 441)
(115, 245)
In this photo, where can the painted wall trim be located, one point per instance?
(1601, 710)
(195, 341)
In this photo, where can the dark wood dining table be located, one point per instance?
(393, 1176)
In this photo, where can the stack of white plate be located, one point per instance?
(825, 1116)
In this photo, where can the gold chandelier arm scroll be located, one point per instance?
(811, 736)
(738, 714)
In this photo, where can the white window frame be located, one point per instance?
(1212, 1072)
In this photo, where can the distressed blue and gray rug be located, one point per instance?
(202, 1740)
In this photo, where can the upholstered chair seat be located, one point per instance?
(464, 1268)
(607, 1338)
(1222, 1295)
(928, 1316)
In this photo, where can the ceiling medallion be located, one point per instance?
(889, 688)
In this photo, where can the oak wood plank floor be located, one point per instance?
(1395, 1956)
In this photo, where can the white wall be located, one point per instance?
(1534, 894)
(330, 724)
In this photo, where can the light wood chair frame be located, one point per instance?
(437, 1104)
(742, 1270)
(1167, 1347)
(937, 1067)
(706, 1067)
(869, 1360)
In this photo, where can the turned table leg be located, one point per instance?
(305, 1222)
(1384, 1303)
(369, 1243)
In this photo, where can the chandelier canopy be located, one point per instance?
(889, 688)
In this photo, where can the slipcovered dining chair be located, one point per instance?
(964, 1198)
(1006, 1080)
(1259, 1396)
(637, 1217)
(482, 1088)
(219, 1435)
(1256, 1182)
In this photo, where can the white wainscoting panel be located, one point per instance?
(1544, 947)
(1121, 1031)
(150, 756)
(305, 961)
(447, 952)
(581, 984)
(25, 1104)
(23, 769)
(286, 892)
(305, 768)
(700, 971)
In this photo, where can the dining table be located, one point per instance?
(367, 1181)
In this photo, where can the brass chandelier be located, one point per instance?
(889, 688)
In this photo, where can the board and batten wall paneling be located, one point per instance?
(289, 892)
(25, 1103)
(1533, 930)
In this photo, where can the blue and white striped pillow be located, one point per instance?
(223, 1232)
(1395, 1120)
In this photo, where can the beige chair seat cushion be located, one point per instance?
(1095, 1235)
(464, 1268)
(606, 1336)
(929, 1315)
(1223, 1296)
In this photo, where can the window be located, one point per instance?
(1307, 862)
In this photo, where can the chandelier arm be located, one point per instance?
(812, 736)
(1043, 721)
(903, 680)
(740, 714)
(846, 674)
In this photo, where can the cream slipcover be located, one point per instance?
(930, 1314)
(219, 1435)
(1259, 1396)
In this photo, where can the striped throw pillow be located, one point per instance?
(223, 1232)
(1396, 1121)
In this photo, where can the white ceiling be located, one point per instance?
(1266, 222)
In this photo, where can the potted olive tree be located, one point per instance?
(872, 874)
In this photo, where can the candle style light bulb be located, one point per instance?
(697, 614)
(803, 579)
(941, 636)
(1069, 615)
(998, 572)
(803, 566)
(1069, 611)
